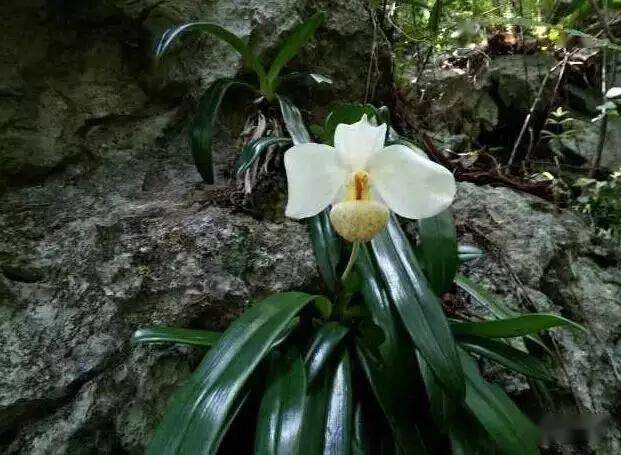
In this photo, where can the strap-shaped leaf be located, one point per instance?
(468, 437)
(249, 58)
(518, 326)
(340, 410)
(281, 413)
(437, 250)
(496, 306)
(175, 335)
(306, 79)
(506, 355)
(382, 358)
(293, 121)
(202, 131)
(327, 246)
(314, 427)
(197, 415)
(443, 409)
(253, 150)
(360, 439)
(418, 307)
(467, 253)
(509, 428)
(292, 45)
(325, 341)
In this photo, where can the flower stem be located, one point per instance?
(352, 260)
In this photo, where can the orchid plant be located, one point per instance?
(375, 365)
(268, 85)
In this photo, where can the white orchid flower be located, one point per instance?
(364, 179)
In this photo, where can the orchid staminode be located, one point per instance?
(364, 180)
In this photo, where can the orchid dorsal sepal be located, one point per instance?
(363, 180)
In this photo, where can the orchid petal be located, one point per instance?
(355, 144)
(412, 186)
(314, 176)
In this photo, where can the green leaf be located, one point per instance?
(437, 250)
(501, 418)
(327, 246)
(382, 358)
(202, 131)
(249, 58)
(281, 412)
(326, 340)
(466, 253)
(197, 414)
(468, 437)
(497, 307)
(418, 307)
(514, 327)
(443, 409)
(293, 121)
(314, 426)
(347, 113)
(506, 355)
(339, 413)
(292, 45)
(434, 18)
(253, 150)
(360, 440)
(175, 335)
(314, 78)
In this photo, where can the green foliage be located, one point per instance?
(203, 128)
(437, 251)
(340, 410)
(281, 413)
(505, 354)
(518, 326)
(290, 48)
(381, 357)
(466, 253)
(198, 414)
(419, 308)
(268, 80)
(254, 149)
(327, 338)
(250, 59)
(511, 430)
(175, 335)
(600, 204)
(328, 246)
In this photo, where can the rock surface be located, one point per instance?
(582, 142)
(492, 102)
(542, 259)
